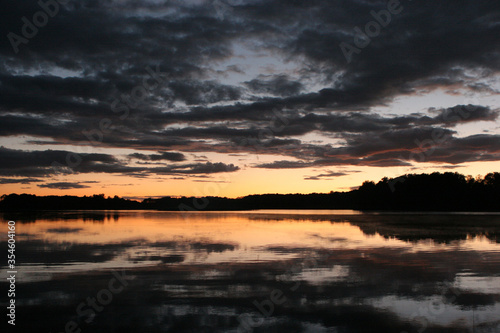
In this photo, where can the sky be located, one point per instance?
(233, 97)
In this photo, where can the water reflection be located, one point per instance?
(261, 271)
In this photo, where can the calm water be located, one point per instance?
(263, 271)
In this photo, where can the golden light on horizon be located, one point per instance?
(244, 182)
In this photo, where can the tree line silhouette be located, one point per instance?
(413, 192)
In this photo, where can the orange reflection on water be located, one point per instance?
(248, 230)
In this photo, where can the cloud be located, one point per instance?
(195, 168)
(63, 185)
(278, 85)
(48, 162)
(399, 148)
(168, 156)
(195, 93)
(328, 175)
(51, 162)
(19, 180)
(463, 114)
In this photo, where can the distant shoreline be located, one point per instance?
(436, 192)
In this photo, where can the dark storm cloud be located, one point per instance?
(52, 95)
(196, 168)
(50, 162)
(424, 41)
(168, 156)
(223, 132)
(398, 148)
(177, 33)
(286, 165)
(18, 124)
(327, 175)
(63, 185)
(364, 145)
(19, 180)
(479, 147)
(203, 92)
(462, 114)
(149, 68)
(41, 163)
(293, 125)
(279, 85)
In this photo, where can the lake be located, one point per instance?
(255, 271)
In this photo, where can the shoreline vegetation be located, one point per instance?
(413, 192)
